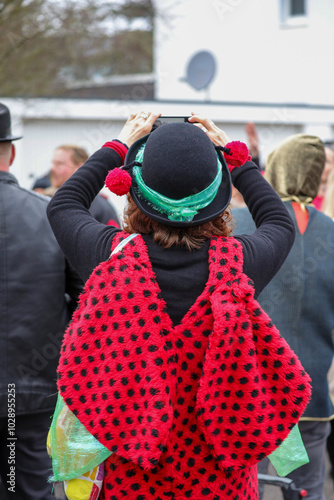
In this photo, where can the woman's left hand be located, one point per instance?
(217, 136)
(137, 126)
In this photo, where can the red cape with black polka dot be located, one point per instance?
(187, 410)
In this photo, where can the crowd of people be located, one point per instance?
(178, 350)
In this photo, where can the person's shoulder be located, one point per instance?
(322, 218)
(322, 229)
(20, 193)
(102, 201)
(240, 214)
(103, 211)
(33, 196)
(240, 211)
(242, 221)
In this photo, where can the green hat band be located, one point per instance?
(184, 209)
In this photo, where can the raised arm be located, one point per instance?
(266, 249)
(84, 241)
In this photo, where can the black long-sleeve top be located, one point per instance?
(181, 274)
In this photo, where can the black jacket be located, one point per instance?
(37, 291)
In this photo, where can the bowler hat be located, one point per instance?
(5, 125)
(178, 176)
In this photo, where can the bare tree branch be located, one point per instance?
(44, 47)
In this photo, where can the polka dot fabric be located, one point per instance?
(114, 358)
(162, 397)
(254, 388)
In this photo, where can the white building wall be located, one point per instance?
(259, 59)
(47, 123)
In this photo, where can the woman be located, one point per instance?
(169, 362)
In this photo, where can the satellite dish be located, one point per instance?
(201, 70)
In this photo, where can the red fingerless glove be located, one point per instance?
(117, 146)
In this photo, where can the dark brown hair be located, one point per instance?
(135, 221)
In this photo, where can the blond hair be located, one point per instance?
(78, 155)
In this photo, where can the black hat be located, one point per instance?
(179, 161)
(5, 125)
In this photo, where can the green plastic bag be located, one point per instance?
(290, 455)
(73, 449)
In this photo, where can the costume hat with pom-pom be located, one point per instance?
(178, 177)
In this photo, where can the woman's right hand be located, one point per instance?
(137, 126)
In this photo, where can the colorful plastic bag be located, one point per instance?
(73, 449)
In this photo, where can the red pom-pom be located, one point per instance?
(239, 154)
(118, 181)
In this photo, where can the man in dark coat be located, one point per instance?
(38, 292)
